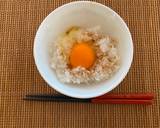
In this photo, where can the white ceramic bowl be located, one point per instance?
(85, 14)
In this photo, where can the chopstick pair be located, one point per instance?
(146, 98)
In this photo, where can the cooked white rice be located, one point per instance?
(106, 64)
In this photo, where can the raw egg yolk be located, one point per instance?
(82, 54)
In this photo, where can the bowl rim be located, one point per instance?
(102, 92)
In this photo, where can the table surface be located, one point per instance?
(19, 20)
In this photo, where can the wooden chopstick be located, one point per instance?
(147, 96)
(122, 101)
(55, 98)
(145, 99)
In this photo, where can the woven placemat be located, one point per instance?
(19, 20)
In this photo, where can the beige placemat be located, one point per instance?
(19, 20)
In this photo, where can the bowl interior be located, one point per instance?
(83, 14)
